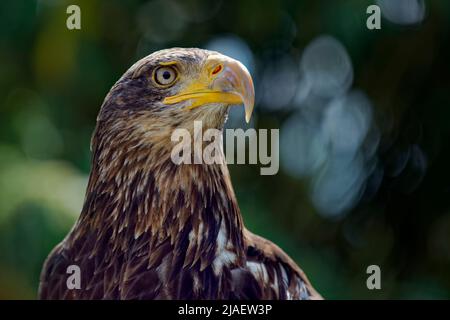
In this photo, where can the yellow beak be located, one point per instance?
(222, 80)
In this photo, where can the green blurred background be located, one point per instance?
(363, 117)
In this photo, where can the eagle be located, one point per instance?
(153, 229)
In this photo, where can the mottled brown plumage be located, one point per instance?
(151, 229)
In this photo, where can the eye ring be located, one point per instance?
(165, 76)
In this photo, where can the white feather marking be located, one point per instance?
(258, 270)
(223, 256)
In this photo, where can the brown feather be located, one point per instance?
(150, 229)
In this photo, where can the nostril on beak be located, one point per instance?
(217, 69)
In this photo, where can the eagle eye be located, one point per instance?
(165, 76)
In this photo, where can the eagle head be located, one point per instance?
(170, 89)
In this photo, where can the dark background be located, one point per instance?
(363, 118)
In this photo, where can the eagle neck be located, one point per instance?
(137, 196)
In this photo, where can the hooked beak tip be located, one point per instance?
(232, 84)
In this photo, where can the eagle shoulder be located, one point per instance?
(52, 283)
(270, 273)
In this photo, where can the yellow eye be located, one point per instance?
(165, 76)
